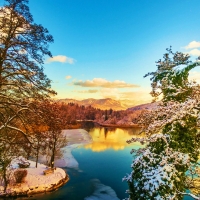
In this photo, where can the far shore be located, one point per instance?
(78, 125)
(119, 125)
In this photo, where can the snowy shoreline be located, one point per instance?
(37, 182)
(76, 138)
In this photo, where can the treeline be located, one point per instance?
(74, 112)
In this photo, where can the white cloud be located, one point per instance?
(61, 58)
(192, 45)
(194, 76)
(87, 91)
(194, 52)
(110, 93)
(138, 96)
(68, 77)
(100, 82)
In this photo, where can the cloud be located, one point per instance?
(61, 58)
(192, 45)
(110, 93)
(194, 52)
(194, 76)
(68, 77)
(87, 91)
(100, 82)
(138, 96)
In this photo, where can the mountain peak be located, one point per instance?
(103, 104)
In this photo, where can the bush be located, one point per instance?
(19, 175)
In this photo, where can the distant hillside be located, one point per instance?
(102, 104)
(147, 106)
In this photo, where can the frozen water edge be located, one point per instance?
(102, 192)
(76, 138)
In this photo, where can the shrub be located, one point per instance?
(19, 175)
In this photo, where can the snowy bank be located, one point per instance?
(36, 181)
(75, 138)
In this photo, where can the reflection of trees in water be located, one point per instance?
(111, 138)
(105, 132)
(134, 131)
(87, 125)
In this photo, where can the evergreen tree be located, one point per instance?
(172, 143)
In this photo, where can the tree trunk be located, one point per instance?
(53, 154)
(37, 154)
(5, 180)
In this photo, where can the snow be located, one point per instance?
(67, 159)
(75, 138)
(102, 192)
(158, 170)
(36, 181)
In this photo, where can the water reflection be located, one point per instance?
(111, 138)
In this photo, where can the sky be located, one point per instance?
(103, 48)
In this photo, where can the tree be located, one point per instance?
(23, 47)
(7, 152)
(172, 143)
(54, 118)
(36, 127)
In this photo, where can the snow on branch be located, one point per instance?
(156, 174)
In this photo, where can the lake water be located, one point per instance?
(102, 165)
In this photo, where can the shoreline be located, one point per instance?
(36, 182)
(119, 125)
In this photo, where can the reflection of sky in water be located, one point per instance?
(108, 158)
(105, 138)
(99, 161)
(102, 165)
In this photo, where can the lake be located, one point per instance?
(102, 165)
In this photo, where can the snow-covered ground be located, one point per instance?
(76, 137)
(36, 181)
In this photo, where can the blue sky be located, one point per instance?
(103, 48)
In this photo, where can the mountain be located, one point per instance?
(147, 106)
(102, 104)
